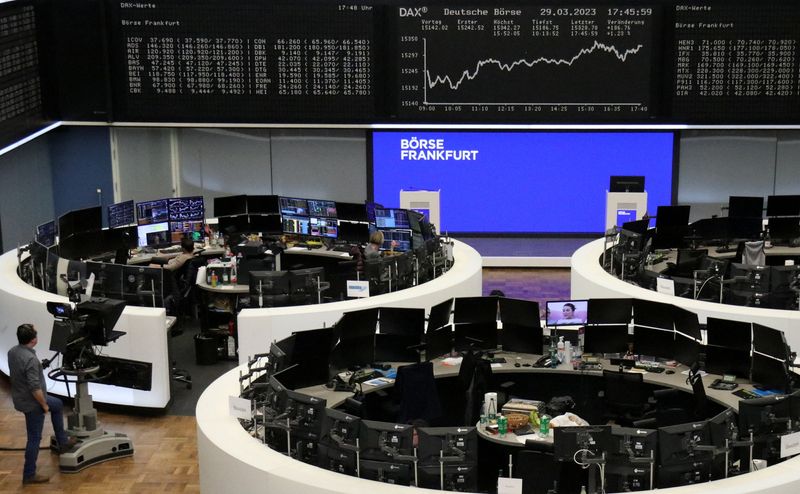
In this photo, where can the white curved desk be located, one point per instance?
(257, 328)
(145, 339)
(231, 460)
(589, 280)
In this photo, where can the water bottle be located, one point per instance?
(560, 348)
(502, 425)
(544, 425)
(483, 413)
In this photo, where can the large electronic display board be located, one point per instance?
(520, 182)
(531, 63)
(244, 61)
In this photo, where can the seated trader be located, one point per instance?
(187, 253)
(373, 248)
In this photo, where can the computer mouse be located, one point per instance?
(517, 364)
(669, 371)
(526, 365)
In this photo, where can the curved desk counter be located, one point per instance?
(589, 280)
(145, 339)
(230, 459)
(259, 327)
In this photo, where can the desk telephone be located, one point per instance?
(345, 381)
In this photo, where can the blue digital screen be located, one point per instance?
(520, 182)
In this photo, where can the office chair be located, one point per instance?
(474, 378)
(672, 407)
(753, 254)
(182, 300)
(537, 469)
(624, 397)
(378, 273)
(700, 400)
(416, 393)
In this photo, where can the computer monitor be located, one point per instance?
(449, 477)
(653, 342)
(230, 225)
(440, 314)
(475, 335)
(277, 359)
(745, 207)
(354, 233)
(356, 339)
(387, 472)
(121, 214)
(626, 183)
(770, 342)
(451, 444)
(150, 212)
(101, 317)
(633, 442)
(322, 208)
(153, 234)
(391, 219)
(46, 234)
(653, 314)
(688, 261)
(678, 443)
(521, 338)
(323, 227)
(771, 373)
(438, 342)
(745, 228)
(750, 277)
(80, 221)
(768, 418)
(402, 239)
(385, 441)
(191, 229)
(783, 230)
(297, 225)
(266, 224)
(475, 310)
(351, 211)
(672, 223)
(722, 360)
(783, 205)
(519, 312)
(727, 333)
(782, 280)
(567, 312)
(230, 205)
(612, 338)
(686, 322)
(293, 206)
(307, 411)
(638, 227)
(186, 208)
(402, 321)
(269, 288)
(311, 349)
(143, 286)
(259, 204)
(609, 311)
(107, 279)
(593, 440)
(340, 428)
(686, 349)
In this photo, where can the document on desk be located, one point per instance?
(452, 361)
(379, 381)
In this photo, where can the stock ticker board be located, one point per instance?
(387, 62)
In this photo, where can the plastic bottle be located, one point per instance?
(502, 425)
(214, 278)
(767, 239)
(483, 412)
(544, 425)
(560, 348)
(225, 276)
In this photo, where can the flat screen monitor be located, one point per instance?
(633, 442)
(727, 333)
(653, 314)
(262, 205)
(566, 312)
(722, 360)
(298, 225)
(672, 223)
(652, 342)
(688, 260)
(233, 224)
(400, 238)
(638, 226)
(323, 227)
(770, 342)
(293, 206)
(391, 219)
(153, 234)
(745, 228)
(613, 338)
(277, 358)
(676, 443)
(356, 345)
(687, 349)
(354, 233)
(383, 441)
(46, 234)
(402, 321)
(321, 208)
(770, 373)
(101, 317)
(440, 314)
(451, 477)
(121, 214)
(519, 312)
(180, 229)
(521, 339)
(312, 349)
(351, 211)
(230, 206)
(269, 288)
(438, 342)
(186, 208)
(150, 212)
(766, 415)
(750, 277)
(626, 183)
(609, 311)
(475, 309)
(784, 230)
(307, 411)
(784, 205)
(455, 444)
(143, 286)
(340, 428)
(686, 322)
(593, 440)
(79, 221)
(265, 223)
(475, 335)
(388, 472)
(745, 207)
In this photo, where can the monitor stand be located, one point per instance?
(95, 444)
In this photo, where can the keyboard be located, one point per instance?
(724, 250)
(657, 369)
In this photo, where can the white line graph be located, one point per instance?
(468, 75)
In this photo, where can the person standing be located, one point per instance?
(29, 395)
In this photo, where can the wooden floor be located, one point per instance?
(165, 458)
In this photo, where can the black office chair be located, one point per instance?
(537, 469)
(474, 378)
(416, 394)
(182, 300)
(624, 397)
(672, 407)
(378, 272)
(700, 400)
